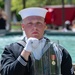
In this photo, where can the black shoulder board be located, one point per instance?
(23, 43)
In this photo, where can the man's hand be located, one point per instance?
(32, 44)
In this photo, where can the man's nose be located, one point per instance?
(35, 26)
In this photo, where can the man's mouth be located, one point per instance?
(35, 33)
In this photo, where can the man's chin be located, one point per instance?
(36, 36)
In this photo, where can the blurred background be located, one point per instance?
(61, 12)
(60, 21)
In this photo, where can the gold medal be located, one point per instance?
(53, 62)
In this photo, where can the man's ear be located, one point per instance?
(45, 27)
(22, 26)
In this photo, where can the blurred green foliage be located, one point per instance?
(16, 27)
(1, 4)
(17, 5)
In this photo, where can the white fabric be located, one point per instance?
(33, 11)
(73, 29)
(38, 51)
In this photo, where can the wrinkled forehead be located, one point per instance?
(33, 18)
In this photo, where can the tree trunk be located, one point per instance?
(8, 12)
(24, 3)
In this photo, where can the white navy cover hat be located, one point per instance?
(33, 11)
